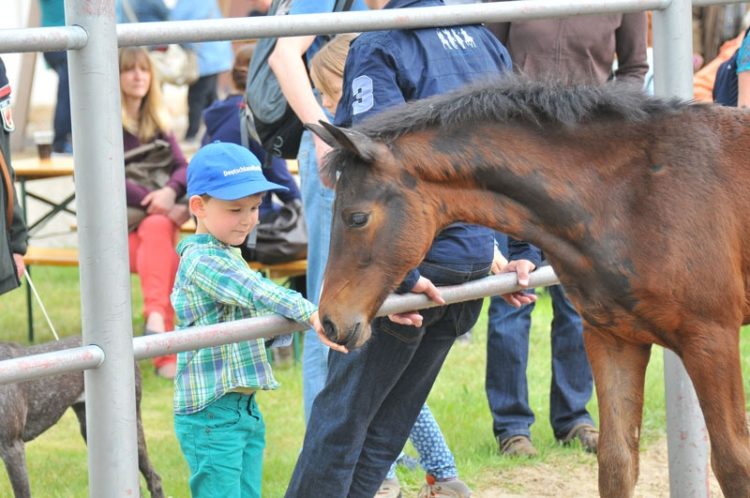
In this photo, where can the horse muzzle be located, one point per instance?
(352, 336)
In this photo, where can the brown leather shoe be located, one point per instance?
(517, 446)
(586, 434)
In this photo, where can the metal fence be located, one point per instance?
(92, 39)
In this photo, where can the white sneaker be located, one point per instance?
(455, 488)
(390, 488)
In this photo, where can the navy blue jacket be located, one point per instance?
(222, 120)
(388, 68)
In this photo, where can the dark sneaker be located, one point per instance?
(455, 488)
(390, 488)
(586, 434)
(517, 446)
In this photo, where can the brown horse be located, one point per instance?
(640, 204)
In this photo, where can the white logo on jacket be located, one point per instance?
(455, 39)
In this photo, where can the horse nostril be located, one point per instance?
(329, 328)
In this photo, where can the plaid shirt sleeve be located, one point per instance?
(229, 280)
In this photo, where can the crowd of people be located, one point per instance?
(227, 187)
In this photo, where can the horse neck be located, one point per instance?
(537, 186)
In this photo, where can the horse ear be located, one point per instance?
(322, 133)
(352, 140)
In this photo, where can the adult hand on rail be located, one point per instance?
(521, 267)
(414, 318)
(159, 201)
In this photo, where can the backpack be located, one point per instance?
(276, 124)
(725, 85)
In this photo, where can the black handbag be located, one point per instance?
(279, 240)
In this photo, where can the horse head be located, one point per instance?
(369, 232)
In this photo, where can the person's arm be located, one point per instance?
(162, 201)
(19, 235)
(743, 73)
(287, 64)
(743, 89)
(230, 281)
(630, 45)
(178, 178)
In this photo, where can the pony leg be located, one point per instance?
(153, 481)
(619, 370)
(14, 456)
(713, 365)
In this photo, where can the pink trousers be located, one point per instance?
(153, 257)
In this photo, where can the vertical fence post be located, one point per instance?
(103, 248)
(687, 438)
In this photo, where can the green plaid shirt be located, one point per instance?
(214, 285)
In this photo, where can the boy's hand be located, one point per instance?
(315, 322)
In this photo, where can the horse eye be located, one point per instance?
(357, 220)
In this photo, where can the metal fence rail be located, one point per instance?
(92, 38)
(264, 327)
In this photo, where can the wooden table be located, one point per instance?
(33, 168)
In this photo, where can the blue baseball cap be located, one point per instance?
(226, 171)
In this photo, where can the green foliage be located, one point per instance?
(58, 459)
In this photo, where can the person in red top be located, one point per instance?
(153, 239)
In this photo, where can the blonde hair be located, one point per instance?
(330, 60)
(150, 120)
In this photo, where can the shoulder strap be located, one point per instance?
(9, 190)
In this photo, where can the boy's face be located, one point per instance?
(228, 221)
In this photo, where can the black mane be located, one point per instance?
(521, 100)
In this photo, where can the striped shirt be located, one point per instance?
(214, 285)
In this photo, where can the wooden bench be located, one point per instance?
(68, 256)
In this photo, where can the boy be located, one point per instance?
(217, 421)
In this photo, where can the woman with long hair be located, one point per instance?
(154, 229)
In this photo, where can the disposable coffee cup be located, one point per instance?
(43, 141)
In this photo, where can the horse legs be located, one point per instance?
(713, 364)
(619, 370)
(14, 456)
(153, 481)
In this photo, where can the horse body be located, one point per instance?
(639, 204)
(29, 408)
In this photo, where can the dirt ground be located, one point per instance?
(579, 478)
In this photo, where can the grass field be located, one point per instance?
(58, 463)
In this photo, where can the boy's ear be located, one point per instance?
(197, 206)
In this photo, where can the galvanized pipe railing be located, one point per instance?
(53, 363)
(251, 328)
(73, 37)
(672, 29)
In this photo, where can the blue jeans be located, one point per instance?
(58, 61)
(223, 445)
(364, 414)
(317, 202)
(507, 358)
